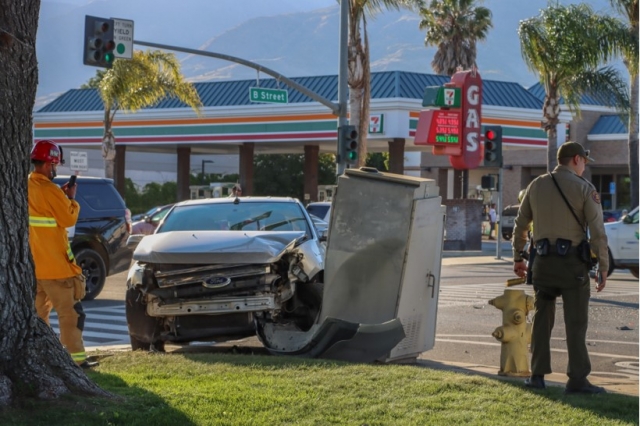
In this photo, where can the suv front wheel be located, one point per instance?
(94, 271)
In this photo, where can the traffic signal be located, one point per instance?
(487, 182)
(493, 146)
(98, 42)
(348, 142)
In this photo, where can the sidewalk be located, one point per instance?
(612, 383)
(476, 257)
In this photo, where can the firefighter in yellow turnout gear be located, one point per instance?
(60, 283)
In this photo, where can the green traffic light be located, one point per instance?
(108, 57)
(353, 155)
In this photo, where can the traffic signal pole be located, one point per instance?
(300, 88)
(342, 81)
(339, 109)
(499, 230)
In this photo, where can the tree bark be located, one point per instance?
(357, 80)
(109, 146)
(551, 114)
(32, 359)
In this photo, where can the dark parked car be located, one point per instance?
(99, 239)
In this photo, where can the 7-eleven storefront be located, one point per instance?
(306, 128)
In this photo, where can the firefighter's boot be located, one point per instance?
(515, 332)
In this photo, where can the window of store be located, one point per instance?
(623, 192)
(615, 191)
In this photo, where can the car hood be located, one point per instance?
(209, 247)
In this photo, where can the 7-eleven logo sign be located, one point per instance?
(376, 123)
(449, 97)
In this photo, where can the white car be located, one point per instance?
(321, 209)
(623, 243)
(225, 268)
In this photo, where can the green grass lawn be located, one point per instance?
(219, 389)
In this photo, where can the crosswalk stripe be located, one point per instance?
(473, 294)
(102, 326)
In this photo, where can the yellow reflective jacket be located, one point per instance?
(50, 213)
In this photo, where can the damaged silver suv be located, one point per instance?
(222, 269)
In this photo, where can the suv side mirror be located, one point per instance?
(627, 219)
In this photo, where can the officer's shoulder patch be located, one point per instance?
(595, 196)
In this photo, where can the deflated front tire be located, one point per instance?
(144, 331)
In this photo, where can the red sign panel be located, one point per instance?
(471, 84)
(438, 129)
(445, 128)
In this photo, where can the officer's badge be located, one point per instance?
(595, 197)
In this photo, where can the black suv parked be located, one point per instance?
(99, 241)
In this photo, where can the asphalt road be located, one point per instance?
(465, 320)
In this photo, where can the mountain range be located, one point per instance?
(295, 38)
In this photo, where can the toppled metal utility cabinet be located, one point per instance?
(384, 255)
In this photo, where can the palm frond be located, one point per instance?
(606, 85)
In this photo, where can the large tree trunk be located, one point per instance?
(633, 142)
(32, 360)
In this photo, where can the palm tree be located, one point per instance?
(567, 47)
(359, 78)
(454, 26)
(629, 10)
(138, 83)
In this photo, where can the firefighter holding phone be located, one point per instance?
(60, 283)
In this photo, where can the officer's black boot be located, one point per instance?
(535, 382)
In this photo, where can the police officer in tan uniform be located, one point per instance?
(558, 269)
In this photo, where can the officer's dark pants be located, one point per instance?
(567, 277)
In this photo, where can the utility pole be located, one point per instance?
(342, 80)
(499, 214)
(203, 163)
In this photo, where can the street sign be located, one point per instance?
(123, 37)
(272, 96)
(442, 97)
(79, 161)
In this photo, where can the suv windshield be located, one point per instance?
(244, 216)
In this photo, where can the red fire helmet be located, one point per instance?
(47, 151)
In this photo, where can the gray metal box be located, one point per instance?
(384, 255)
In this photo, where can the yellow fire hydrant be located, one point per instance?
(515, 332)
